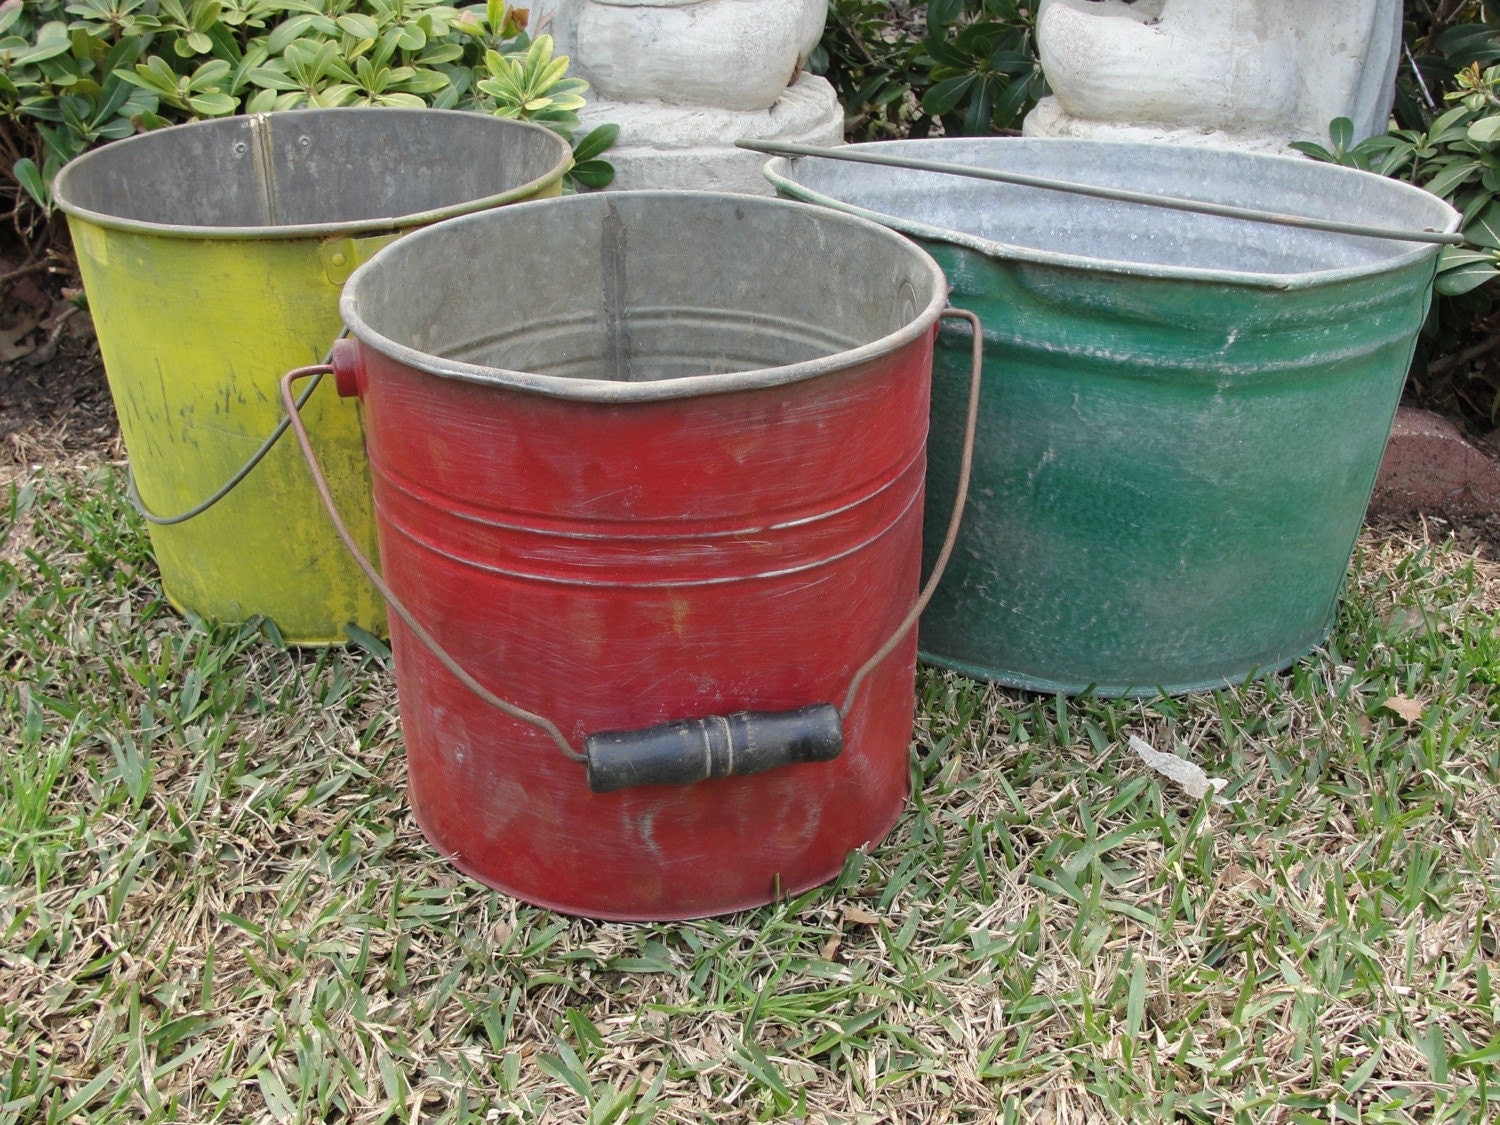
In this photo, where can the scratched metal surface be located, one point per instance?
(1183, 415)
(213, 255)
(641, 457)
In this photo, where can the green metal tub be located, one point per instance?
(1183, 414)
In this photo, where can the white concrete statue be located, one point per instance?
(1254, 74)
(684, 79)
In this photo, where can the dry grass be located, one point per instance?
(215, 905)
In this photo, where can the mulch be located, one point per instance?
(54, 401)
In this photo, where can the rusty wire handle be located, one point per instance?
(1098, 191)
(961, 497)
(294, 417)
(133, 492)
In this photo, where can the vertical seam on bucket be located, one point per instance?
(265, 165)
(613, 262)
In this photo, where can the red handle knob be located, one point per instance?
(348, 368)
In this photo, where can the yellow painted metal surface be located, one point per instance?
(213, 255)
(195, 335)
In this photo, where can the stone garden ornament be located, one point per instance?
(1252, 74)
(684, 79)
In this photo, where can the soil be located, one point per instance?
(54, 401)
(57, 409)
(1476, 535)
(1464, 384)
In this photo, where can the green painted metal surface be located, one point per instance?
(1174, 458)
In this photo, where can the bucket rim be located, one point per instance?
(609, 391)
(376, 226)
(777, 172)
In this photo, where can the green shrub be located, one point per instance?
(1446, 138)
(77, 73)
(1456, 158)
(984, 75)
(967, 67)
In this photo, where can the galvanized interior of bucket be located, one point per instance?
(631, 288)
(313, 168)
(1025, 221)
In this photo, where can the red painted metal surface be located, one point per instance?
(619, 565)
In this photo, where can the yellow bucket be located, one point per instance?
(213, 255)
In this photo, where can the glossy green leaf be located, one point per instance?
(358, 25)
(1341, 133)
(981, 103)
(213, 105)
(1011, 104)
(946, 94)
(1486, 130)
(940, 13)
(595, 142)
(1452, 282)
(30, 177)
(1452, 174)
(424, 81)
(1484, 230)
(42, 51)
(1314, 150)
(593, 173)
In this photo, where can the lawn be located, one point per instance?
(215, 905)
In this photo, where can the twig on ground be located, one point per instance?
(27, 270)
(1467, 356)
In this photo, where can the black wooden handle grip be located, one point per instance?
(719, 746)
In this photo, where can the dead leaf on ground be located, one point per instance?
(859, 916)
(831, 947)
(10, 345)
(1408, 708)
(1189, 775)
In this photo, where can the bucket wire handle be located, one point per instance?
(294, 418)
(133, 492)
(1098, 191)
(688, 751)
(961, 497)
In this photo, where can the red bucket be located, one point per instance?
(641, 458)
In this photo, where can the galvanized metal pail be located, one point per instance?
(213, 255)
(1183, 414)
(643, 457)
